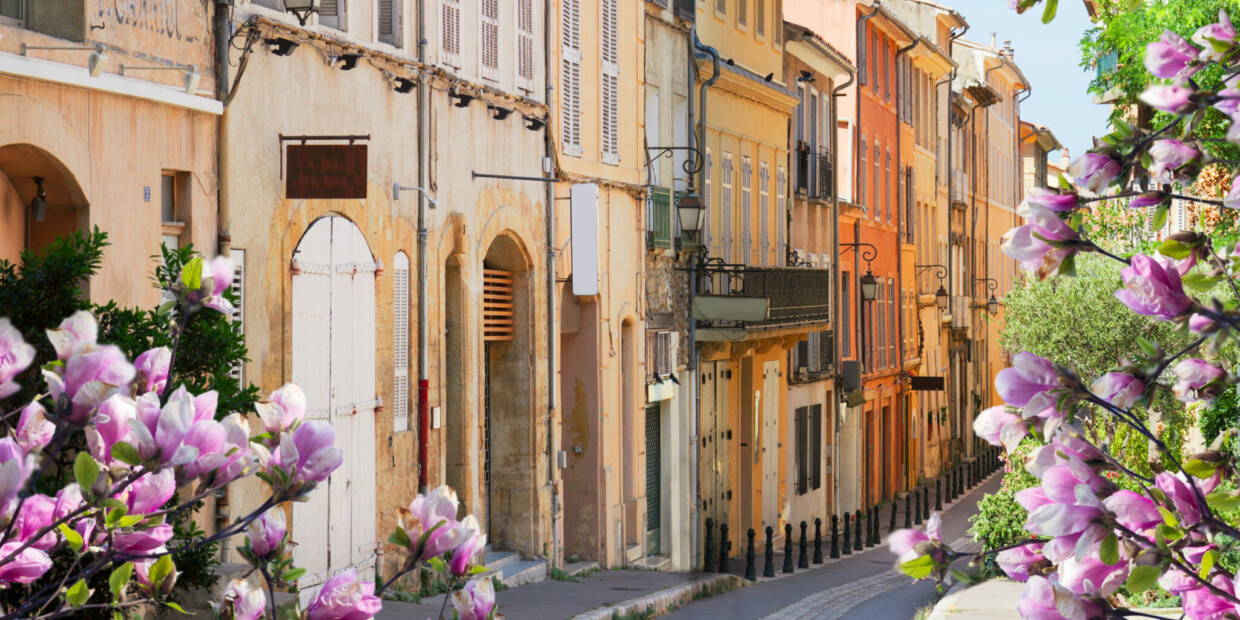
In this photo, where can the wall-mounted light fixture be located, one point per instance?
(281, 46)
(191, 78)
(301, 8)
(868, 283)
(992, 304)
(404, 86)
(462, 99)
(940, 296)
(533, 123)
(38, 206)
(498, 113)
(94, 65)
(348, 62)
(397, 188)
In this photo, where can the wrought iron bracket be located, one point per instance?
(991, 286)
(920, 269)
(867, 255)
(692, 165)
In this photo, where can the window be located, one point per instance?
(174, 208)
(389, 22)
(815, 447)
(707, 201)
(861, 195)
(12, 11)
(877, 194)
(764, 212)
(887, 185)
(878, 328)
(400, 342)
(781, 209)
(742, 12)
(760, 17)
(777, 22)
(610, 101)
(331, 14)
(488, 38)
(450, 32)
(721, 7)
(845, 316)
(886, 71)
(525, 45)
(570, 76)
(746, 210)
(874, 59)
(892, 322)
(808, 422)
(725, 232)
(238, 312)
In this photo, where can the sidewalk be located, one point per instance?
(996, 599)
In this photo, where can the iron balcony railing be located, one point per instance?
(804, 163)
(795, 295)
(961, 312)
(822, 189)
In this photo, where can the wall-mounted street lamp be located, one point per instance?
(869, 283)
(301, 9)
(992, 304)
(94, 65)
(280, 46)
(191, 78)
(689, 210)
(940, 296)
(38, 205)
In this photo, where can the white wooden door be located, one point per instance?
(333, 361)
(708, 461)
(770, 444)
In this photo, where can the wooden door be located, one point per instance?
(770, 444)
(708, 460)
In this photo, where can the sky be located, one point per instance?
(1048, 55)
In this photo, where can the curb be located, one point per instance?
(662, 601)
(948, 602)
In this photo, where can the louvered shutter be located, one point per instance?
(400, 342)
(389, 22)
(725, 232)
(525, 44)
(746, 210)
(764, 213)
(450, 33)
(802, 449)
(610, 101)
(570, 76)
(497, 304)
(815, 443)
(238, 312)
(488, 24)
(781, 207)
(331, 14)
(706, 223)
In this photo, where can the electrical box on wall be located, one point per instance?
(436, 420)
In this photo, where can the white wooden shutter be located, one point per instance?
(726, 198)
(488, 38)
(781, 206)
(764, 213)
(238, 313)
(525, 44)
(570, 76)
(746, 210)
(610, 78)
(707, 201)
(450, 33)
(331, 14)
(400, 342)
(389, 21)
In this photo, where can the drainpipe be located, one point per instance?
(553, 392)
(900, 219)
(695, 419)
(860, 304)
(424, 128)
(836, 93)
(224, 219)
(951, 77)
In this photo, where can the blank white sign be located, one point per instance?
(584, 200)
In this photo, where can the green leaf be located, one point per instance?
(1222, 500)
(1200, 468)
(1068, 267)
(112, 502)
(191, 274)
(1174, 249)
(125, 453)
(85, 471)
(400, 538)
(1048, 13)
(72, 537)
(175, 606)
(919, 568)
(78, 593)
(1076, 220)
(114, 515)
(1168, 517)
(961, 577)
(1142, 578)
(1207, 562)
(477, 570)
(1168, 532)
(129, 520)
(438, 564)
(120, 578)
(1109, 551)
(160, 571)
(1200, 282)
(293, 574)
(1148, 348)
(1160, 217)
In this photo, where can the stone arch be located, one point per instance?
(23, 166)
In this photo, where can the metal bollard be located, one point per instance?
(803, 559)
(938, 494)
(768, 569)
(817, 540)
(751, 570)
(725, 548)
(857, 542)
(788, 548)
(917, 495)
(835, 536)
(908, 510)
(708, 552)
(925, 504)
(847, 533)
(891, 527)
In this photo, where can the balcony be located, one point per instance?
(822, 178)
(960, 186)
(961, 311)
(738, 297)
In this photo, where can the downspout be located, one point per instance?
(901, 224)
(222, 35)
(951, 279)
(862, 68)
(837, 92)
(424, 128)
(553, 392)
(978, 368)
(695, 419)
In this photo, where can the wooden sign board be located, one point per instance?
(927, 384)
(326, 171)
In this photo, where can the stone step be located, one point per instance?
(497, 559)
(654, 562)
(522, 572)
(574, 569)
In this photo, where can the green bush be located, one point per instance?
(1000, 521)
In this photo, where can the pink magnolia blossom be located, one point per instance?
(434, 516)
(241, 602)
(998, 427)
(35, 514)
(1180, 493)
(1094, 172)
(475, 601)
(91, 375)
(1232, 199)
(15, 356)
(266, 532)
(1051, 199)
(33, 430)
(1152, 288)
(1061, 482)
(1047, 600)
(1203, 604)
(1065, 442)
(343, 597)
(1175, 580)
(1196, 380)
(1172, 57)
(153, 367)
(80, 329)
(463, 555)
(283, 409)
(1119, 388)
(904, 543)
(308, 452)
(1028, 382)
(1084, 517)
(1201, 325)
(1133, 510)
(142, 542)
(180, 433)
(239, 457)
(1017, 562)
(26, 566)
(150, 492)
(1173, 161)
(1031, 243)
(1092, 577)
(109, 426)
(1221, 34)
(1033, 498)
(15, 467)
(1152, 198)
(1169, 99)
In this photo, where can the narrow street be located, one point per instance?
(845, 588)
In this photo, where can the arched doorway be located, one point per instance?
(25, 169)
(509, 478)
(334, 363)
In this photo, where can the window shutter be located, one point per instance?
(331, 14)
(238, 312)
(781, 207)
(525, 44)
(610, 101)
(764, 214)
(450, 33)
(706, 239)
(570, 76)
(400, 344)
(802, 449)
(815, 443)
(746, 210)
(892, 323)
(861, 197)
(862, 59)
(726, 197)
(497, 303)
(488, 56)
(389, 22)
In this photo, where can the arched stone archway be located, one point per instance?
(23, 168)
